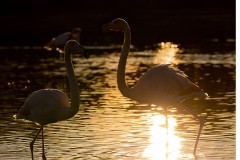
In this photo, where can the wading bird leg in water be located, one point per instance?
(201, 123)
(43, 152)
(32, 143)
(166, 115)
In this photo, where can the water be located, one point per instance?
(109, 126)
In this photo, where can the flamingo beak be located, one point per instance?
(86, 55)
(80, 49)
(108, 27)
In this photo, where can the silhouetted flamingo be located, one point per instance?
(163, 85)
(51, 105)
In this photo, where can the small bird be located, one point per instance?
(51, 105)
(163, 85)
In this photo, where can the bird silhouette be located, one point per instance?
(51, 105)
(59, 42)
(163, 85)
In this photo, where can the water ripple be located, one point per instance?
(109, 126)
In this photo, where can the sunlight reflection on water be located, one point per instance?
(110, 126)
(166, 53)
(164, 144)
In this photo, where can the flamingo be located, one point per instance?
(163, 85)
(51, 105)
(59, 42)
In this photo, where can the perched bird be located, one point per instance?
(51, 105)
(163, 85)
(59, 42)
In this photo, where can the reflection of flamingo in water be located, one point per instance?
(51, 105)
(163, 85)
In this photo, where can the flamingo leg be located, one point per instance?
(201, 123)
(32, 143)
(166, 115)
(43, 152)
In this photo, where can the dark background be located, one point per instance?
(182, 21)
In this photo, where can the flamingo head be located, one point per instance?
(117, 24)
(72, 46)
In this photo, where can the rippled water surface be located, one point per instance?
(109, 126)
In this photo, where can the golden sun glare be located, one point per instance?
(166, 53)
(164, 144)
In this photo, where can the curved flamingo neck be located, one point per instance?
(74, 89)
(121, 81)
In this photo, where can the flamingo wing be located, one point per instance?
(44, 106)
(165, 85)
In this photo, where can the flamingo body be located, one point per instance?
(45, 106)
(165, 85)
